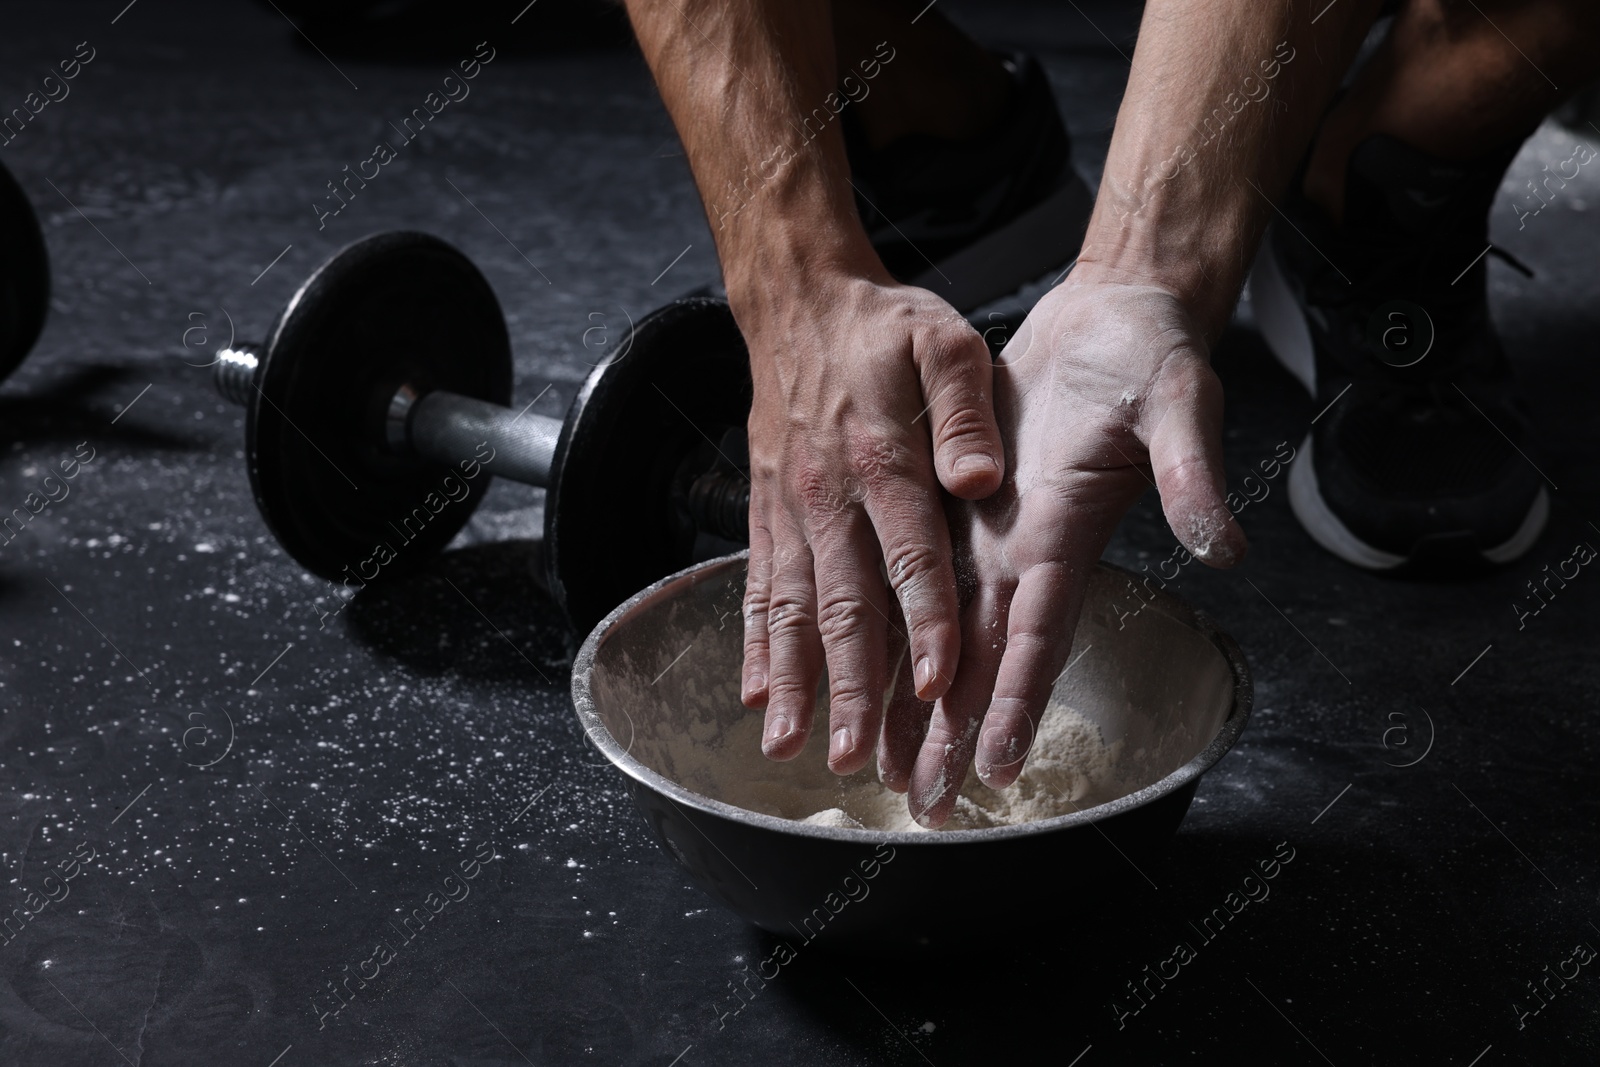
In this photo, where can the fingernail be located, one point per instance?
(756, 684)
(975, 464)
(777, 730)
(925, 673)
(843, 742)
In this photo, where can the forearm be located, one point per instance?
(752, 90)
(1222, 100)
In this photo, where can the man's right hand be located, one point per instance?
(869, 396)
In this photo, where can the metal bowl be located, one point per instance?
(1159, 671)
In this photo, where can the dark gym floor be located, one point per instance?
(148, 620)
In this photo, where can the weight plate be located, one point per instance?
(660, 403)
(24, 274)
(392, 309)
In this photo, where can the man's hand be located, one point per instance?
(869, 395)
(1105, 391)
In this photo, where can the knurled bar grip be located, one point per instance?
(447, 428)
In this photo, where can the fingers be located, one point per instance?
(851, 607)
(794, 646)
(757, 593)
(816, 577)
(1044, 613)
(910, 522)
(1186, 454)
(905, 718)
(957, 376)
(947, 749)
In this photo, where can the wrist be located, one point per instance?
(795, 258)
(1195, 246)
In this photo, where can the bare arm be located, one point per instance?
(1222, 100)
(738, 79)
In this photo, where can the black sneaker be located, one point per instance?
(976, 219)
(1419, 455)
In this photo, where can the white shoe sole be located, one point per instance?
(1041, 239)
(1283, 327)
(1279, 319)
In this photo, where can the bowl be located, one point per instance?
(1147, 667)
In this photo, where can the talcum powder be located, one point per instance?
(1069, 768)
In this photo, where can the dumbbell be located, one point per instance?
(387, 379)
(24, 275)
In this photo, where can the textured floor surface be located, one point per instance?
(262, 791)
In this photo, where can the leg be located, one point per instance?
(1459, 80)
(1380, 288)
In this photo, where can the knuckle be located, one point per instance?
(757, 593)
(755, 628)
(765, 470)
(813, 488)
(1189, 467)
(848, 702)
(760, 528)
(911, 564)
(968, 421)
(788, 615)
(953, 341)
(788, 691)
(877, 459)
(843, 618)
(1029, 638)
(824, 496)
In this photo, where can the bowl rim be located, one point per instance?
(1169, 604)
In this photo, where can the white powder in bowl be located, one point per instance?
(1148, 694)
(1069, 768)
